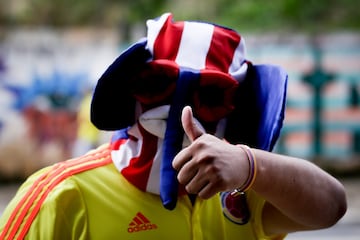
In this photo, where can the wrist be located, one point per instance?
(252, 172)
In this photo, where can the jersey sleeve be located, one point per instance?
(257, 205)
(60, 215)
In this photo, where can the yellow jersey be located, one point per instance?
(87, 198)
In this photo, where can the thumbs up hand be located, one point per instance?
(208, 165)
(191, 129)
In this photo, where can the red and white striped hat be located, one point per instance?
(148, 70)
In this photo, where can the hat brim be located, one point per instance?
(113, 106)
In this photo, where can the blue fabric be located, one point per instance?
(173, 139)
(260, 106)
(271, 93)
(120, 134)
(114, 89)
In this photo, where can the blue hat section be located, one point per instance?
(260, 107)
(113, 105)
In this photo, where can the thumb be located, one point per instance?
(192, 130)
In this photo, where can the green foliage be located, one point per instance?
(253, 15)
(290, 15)
(60, 13)
(56, 12)
(144, 9)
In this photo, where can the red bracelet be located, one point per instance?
(252, 171)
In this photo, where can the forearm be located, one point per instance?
(300, 190)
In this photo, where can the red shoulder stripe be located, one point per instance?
(30, 204)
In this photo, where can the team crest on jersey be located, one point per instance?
(235, 207)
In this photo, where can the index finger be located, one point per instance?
(181, 158)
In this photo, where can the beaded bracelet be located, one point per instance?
(252, 171)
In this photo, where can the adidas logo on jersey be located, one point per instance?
(140, 223)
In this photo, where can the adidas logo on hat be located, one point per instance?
(140, 223)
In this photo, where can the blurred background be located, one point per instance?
(53, 51)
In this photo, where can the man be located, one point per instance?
(190, 157)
